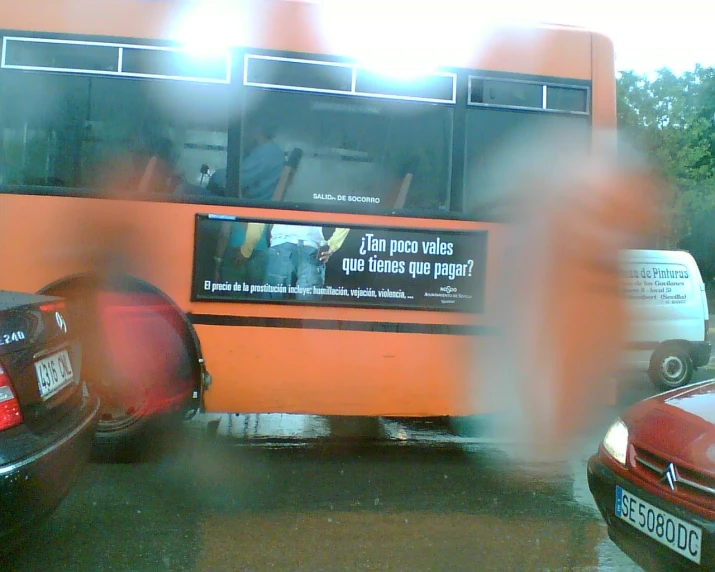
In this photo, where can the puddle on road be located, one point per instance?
(302, 533)
(299, 428)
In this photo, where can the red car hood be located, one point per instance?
(679, 425)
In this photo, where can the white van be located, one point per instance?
(668, 335)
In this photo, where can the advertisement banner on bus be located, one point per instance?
(239, 260)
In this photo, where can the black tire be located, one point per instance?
(130, 430)
(671, 367)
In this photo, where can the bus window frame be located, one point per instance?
(544, 98)
(120, 46)
(353, 67)
(237, 91)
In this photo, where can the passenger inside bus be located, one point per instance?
(260, 169)
(159, 159)
(262, 165)
(356, 152)
(260, 173)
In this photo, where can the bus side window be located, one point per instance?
(288, 174)
(62, 129)
(490, 133)
(356, 151)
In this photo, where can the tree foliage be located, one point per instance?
(672, 118)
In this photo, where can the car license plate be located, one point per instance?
(53, 373)
(678, 535)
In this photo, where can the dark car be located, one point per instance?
(47, 418)
(653, 480)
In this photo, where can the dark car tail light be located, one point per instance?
(10, 414)
(53, 306)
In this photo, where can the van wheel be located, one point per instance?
(671, 367)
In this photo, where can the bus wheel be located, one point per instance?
(136, 359)
(671, 367)
(149, 362)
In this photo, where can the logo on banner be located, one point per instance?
(61, 324)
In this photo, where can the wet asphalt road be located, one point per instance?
(289, 493)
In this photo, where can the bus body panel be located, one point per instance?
(291, 370)
(281, 25)
(75, 228)
(603, 88)
(366, 368)
(334, 372)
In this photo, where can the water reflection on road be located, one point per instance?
(278, 492)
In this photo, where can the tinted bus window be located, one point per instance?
(173, 64)
(506, 93)
(300, 74)
(433, 87)
(66, 130)
(490, 132)
(573, 99)
(355, 152)
(60, 55)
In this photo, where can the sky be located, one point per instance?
(647, 35)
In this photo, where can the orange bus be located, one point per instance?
(295, 211)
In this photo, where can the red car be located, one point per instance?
(653, 480)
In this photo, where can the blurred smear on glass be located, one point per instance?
(571, 204)
(135, 340)
(146, 352)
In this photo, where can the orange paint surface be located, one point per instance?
(317, 371)
(561, 304)
(603, 90)
(290, 370)
(271, 369)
